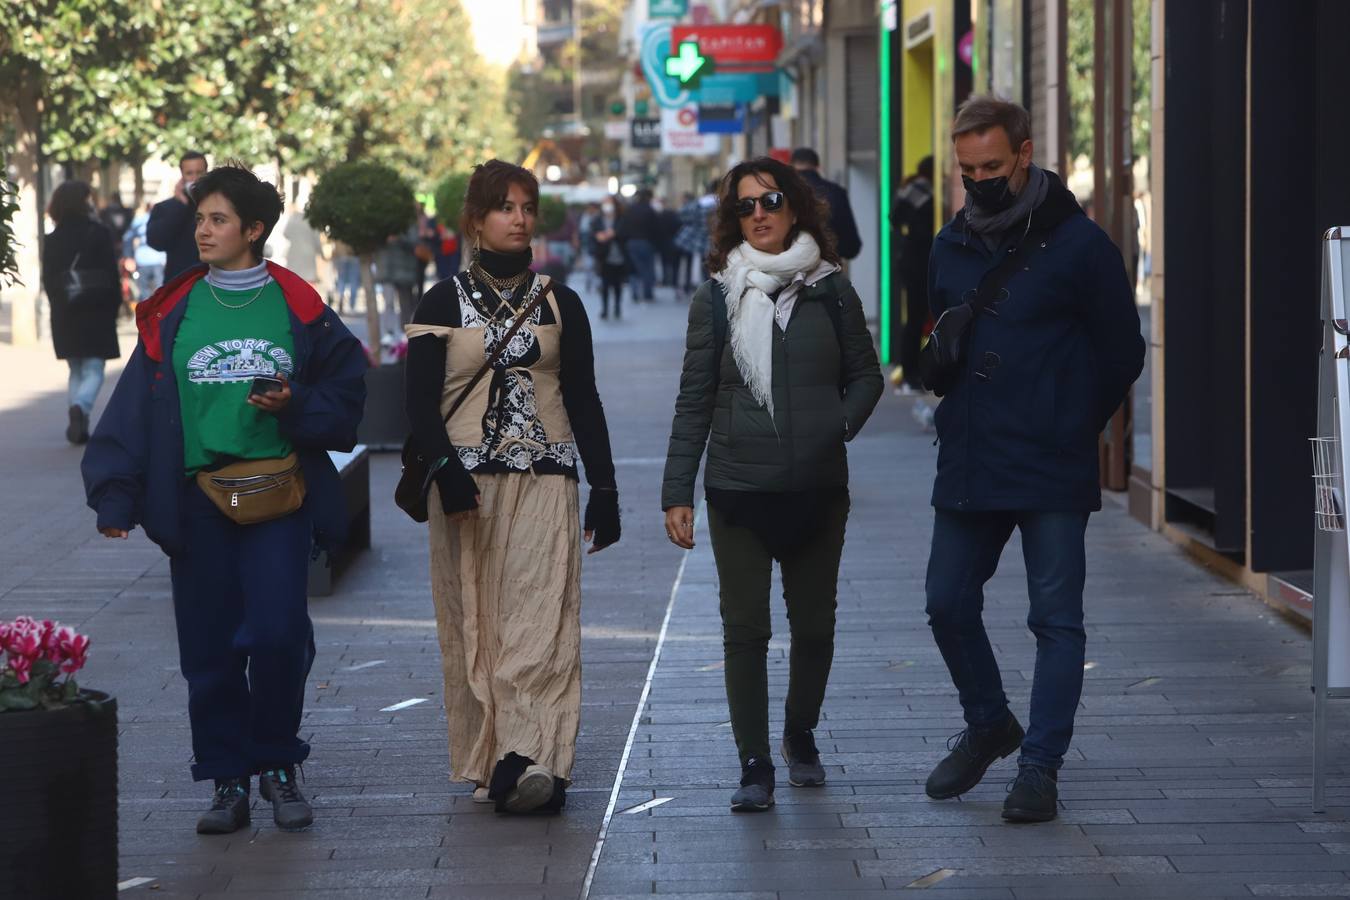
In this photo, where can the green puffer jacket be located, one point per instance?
(825, 385)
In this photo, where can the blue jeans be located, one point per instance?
(348, 281)
(148, 280)
(86, 379)
(245, 642)
(965, 554)
(643, 256)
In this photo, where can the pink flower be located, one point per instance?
(26, 645)
(21, 666)
(75, 649)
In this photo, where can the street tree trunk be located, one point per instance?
(372, 308)
(25, 163)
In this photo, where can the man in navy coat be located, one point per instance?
(1046, 366)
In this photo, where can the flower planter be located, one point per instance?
(385, 423)
(58, 775)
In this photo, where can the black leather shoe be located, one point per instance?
(1033, 796)
(229, 808)
(77, 431)
(290, 810)
(756, 792)
(803, 760)
(973, 751)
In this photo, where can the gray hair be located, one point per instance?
(980, 112)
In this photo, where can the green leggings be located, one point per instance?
(810, 583)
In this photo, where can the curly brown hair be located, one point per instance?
(487, 189)
(813, 215)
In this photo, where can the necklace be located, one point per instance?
(506, 287)
(212, 289)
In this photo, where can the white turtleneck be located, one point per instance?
(239, 279)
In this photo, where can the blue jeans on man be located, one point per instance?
(642, 254)
(965, 555)
(86, 379)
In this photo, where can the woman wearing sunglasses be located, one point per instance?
(779, 372)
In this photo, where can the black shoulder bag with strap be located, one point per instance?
(943, 357)
(415, 483)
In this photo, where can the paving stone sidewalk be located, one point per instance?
(1189, 776)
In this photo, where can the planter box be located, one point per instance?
(385, 423)
(58, 775)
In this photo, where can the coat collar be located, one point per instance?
(300, 296)
(1059, 205)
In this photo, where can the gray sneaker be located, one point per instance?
(229, 808)
(756, 791)
(803, 760)
(290, 810)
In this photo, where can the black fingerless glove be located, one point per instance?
(602, 516)
(456, 486)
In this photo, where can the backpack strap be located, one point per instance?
(719, 323)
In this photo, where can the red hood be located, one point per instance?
(300, 296)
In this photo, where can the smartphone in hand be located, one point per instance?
(263, 384)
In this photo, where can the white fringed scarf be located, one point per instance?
(749, 278)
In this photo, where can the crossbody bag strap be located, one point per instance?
(995, 279)
(498, 350)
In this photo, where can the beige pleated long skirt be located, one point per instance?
(506, 581)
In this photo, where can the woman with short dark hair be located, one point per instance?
(80, 276)
(779, 372)
(216, 442)
(502, 397)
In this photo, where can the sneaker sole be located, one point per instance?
(216, 831)
(533, 790)
(1003, 753)
(1027, 815)
(752, 807)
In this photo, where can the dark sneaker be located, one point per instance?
(803, 760)
(229, 808)
(77, 431)
(290, 809)
(756, 792)
(973, 751)
(1033, 796)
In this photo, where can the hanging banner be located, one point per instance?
(680, 135)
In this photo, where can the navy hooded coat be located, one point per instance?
(1044, 372)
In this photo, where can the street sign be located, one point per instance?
(751, 47)
(617, 129)
(721, 118)
(646, 134)
(745, 79)
(680, 134)
(667, 9)
(688, 65)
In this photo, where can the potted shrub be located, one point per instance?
(362, 204)
(58, 768)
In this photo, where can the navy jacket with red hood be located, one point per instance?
(133, 467)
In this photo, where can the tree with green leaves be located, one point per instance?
(362, 204)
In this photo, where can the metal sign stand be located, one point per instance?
(1331, 571)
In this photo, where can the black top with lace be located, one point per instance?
(513, 441)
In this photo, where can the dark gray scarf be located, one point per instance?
(993, 227)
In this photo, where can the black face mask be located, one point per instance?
(991, 195)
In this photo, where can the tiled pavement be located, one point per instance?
(1189, 775)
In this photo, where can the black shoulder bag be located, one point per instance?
(410, 494)
(944, 355)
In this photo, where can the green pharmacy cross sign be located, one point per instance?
(690, 65)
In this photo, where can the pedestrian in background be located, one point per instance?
(639, 232)
(779, 373)
(171, 227)
(587, 226)
(397, 266)
(188, 423)
(303, 246)
(444, 244)
(841, 222)
(1017, 437)
(148, 262)
(348, 286)
(506, 528)
(693, 237)
(81, 276)
(667, 227)
(912, 217)
(611, 257)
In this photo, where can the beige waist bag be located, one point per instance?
(256, 490)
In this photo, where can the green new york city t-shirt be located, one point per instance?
(216, 355)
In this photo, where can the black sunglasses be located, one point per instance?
(772, 202)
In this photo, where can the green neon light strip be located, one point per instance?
(884, 317)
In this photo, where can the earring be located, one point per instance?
(477, 245)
